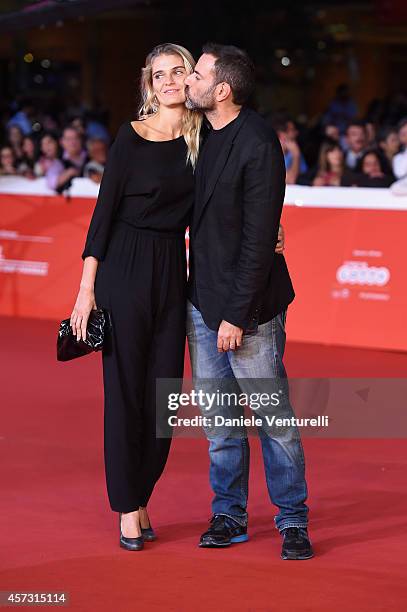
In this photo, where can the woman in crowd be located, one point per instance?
(29, 157)
(389, 145)
(8, 164)
(15, 138)
(49, 163)
(370, 171)
(331, 169)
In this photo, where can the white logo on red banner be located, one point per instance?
(22, 266)
(360, 273)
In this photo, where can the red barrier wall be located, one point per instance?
(349, 273)
(348, 267)
(40, 259)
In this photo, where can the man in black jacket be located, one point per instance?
(239, 291)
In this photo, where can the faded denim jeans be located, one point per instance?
(259, 357)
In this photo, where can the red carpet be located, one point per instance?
(58, 533)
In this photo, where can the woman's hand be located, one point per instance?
(85, 302)
(318, 181)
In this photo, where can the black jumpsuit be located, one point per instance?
(137, 232)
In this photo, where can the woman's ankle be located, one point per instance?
(130, 524)
(144, 518)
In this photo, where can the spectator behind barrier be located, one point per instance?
(74, 158)
(15, 136)
(29, 157)
(354, 143)
(400, 160)
(331, 170)
(341, 110)
(49, 163)
(389, 145)
(371, 134)
(370, 171)
(22, 118)
(294, 161)
(8, 165)
(97, 152)
(331, 132)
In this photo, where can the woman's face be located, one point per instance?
(49, 147)
(28, 147)
(168, 76)
(78, 125)
(392, 143)
(335, 157)
(6, 157)
(71, 141)
(15, 135)
(371, 165)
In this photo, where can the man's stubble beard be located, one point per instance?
(205, 104)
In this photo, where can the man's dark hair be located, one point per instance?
(280, 120)
(233, 66)
(279, 125)
(356, 123)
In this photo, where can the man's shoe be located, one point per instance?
(223, 531)
(296, 544)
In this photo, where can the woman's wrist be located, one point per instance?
(87, 286)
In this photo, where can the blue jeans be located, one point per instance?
(259, 357)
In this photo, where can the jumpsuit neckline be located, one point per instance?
(153, 141)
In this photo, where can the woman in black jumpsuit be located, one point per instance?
(141, 280)
(137, 236)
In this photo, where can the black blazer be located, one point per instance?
(234, 270)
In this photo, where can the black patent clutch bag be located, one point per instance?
(68, 347)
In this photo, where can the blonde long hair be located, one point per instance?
(192, 120)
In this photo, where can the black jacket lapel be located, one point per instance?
(202, 199)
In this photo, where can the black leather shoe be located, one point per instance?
(223, 531)
(148, 534)
(130, 543)
(296, 544)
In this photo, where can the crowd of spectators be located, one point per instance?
(355, 159)
(340, 149)
(344, 150)
(34, 148)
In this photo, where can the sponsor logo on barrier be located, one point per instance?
(341, 294)
(360, 273)
(14, 235)
(22, 266)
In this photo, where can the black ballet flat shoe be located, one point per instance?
(148, 534)
(130, 543)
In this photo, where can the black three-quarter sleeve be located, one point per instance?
(110, 192)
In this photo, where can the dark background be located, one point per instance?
(93, 51)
